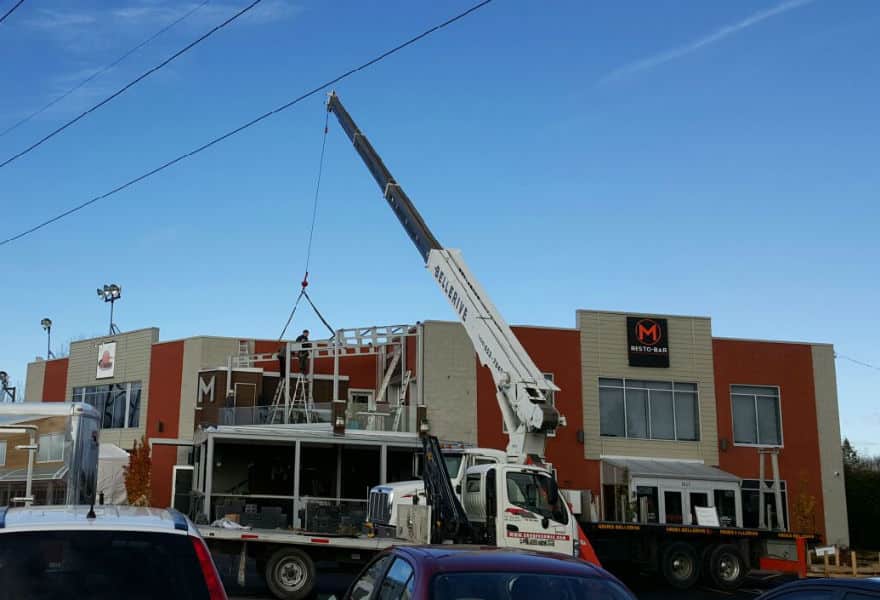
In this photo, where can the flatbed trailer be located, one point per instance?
(287, 558)
(683, 554)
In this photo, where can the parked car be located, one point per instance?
(109, 552)
(458, 572)
(826, 589)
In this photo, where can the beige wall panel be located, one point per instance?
(133, 351)
(33, 386)
(450, 382)
(604, 354)
(830, 456)
(201, 353)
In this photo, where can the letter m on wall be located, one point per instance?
(206, 389)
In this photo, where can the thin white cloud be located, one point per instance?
(57, 19)
(716, 36)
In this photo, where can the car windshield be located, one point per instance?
(533, 492)
(523, 586)
(99, 565)
(453, 463)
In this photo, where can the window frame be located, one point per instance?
(98, 393)
(40, 445)
(648, 404)
(758, 444)
(380, 576)
(4, 446)
(412, 576)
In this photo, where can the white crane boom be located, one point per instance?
(521, 389)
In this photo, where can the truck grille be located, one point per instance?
(379, 510)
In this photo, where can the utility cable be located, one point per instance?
(305, 280)
(101, 71)
(11, 10)
(858, 362)
(247, 125)
(315, 202)
(130, 84)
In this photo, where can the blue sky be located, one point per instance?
(677, 157)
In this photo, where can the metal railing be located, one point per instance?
(384, 418)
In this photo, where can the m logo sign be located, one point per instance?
(647, 342)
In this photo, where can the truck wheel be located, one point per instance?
(679, 565)
(290, 574)
(727, 567)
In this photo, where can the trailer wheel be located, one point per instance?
(727, 567)
(679, 565)
(290, 574)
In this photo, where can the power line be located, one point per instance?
(130, 84)
(247, 125)
(100, 72)
(858, 362)
(11, 10)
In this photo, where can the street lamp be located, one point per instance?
(111, 293)
(47, 327)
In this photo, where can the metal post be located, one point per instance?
(336, 365)
(209, 477)
(761, 523)
(383, 464)
(297, 461)
(777, 491)
(49, 342)
(30, 470)
(338, 472)
(287, 382)
(112, 303)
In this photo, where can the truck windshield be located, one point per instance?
(453, 463)
(99, 565)
(533, 492)
(523, 586)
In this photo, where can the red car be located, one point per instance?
(459, 572)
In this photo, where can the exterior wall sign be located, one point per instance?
(647, 342)
(206, 389)
(106, 360)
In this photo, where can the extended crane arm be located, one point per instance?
(521, 388)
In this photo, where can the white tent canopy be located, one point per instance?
(111, 475)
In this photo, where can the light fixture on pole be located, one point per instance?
(47, 327)
(111, 293)
(6, 391)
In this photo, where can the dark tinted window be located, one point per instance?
(363, 587)
(99, 565)
(397, 584)
(524, 586)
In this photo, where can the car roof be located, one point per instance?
(450, 558)
(868, 585)
(75, 517)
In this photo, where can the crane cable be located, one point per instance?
(305, 279)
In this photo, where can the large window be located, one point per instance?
(51, 447)
(119, 404)
(756, 416)
(752, 496)
(3, 453)
(657, 410)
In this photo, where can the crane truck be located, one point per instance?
(512, 500)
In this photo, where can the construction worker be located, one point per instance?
(303, 338)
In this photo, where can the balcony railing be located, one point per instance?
(384, 418)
